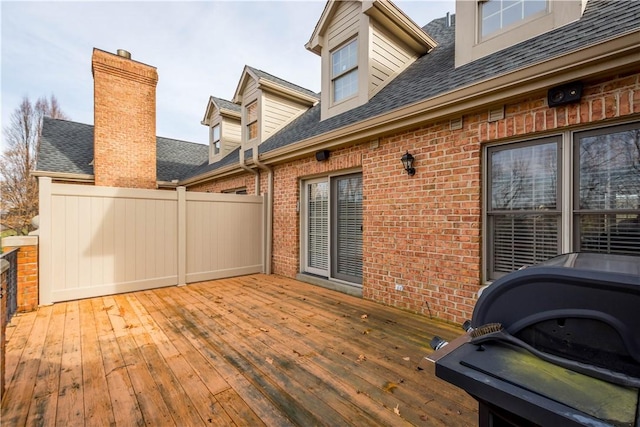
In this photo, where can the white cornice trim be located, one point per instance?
(388, 13)
(287, 92)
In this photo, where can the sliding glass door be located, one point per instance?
(332, 225)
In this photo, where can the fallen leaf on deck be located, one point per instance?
(364, 316)
(362, 358)
(396, 410)
(269, 360)
(406, 358)
(366, 331)
(389, 387)
(264, 330)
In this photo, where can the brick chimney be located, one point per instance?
(124, 142)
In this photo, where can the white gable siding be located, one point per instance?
(249, 92)
(231, 134)
(389, 57)
(344, 23)
(277, 112)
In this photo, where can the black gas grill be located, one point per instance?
(556, 344)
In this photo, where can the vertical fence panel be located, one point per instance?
(100, 240)
(224, 235)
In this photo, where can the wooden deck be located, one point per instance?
(249, 351)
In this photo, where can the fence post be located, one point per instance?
(182, 236)
(46, 279)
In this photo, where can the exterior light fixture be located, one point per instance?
(407, 161)
(323, 155)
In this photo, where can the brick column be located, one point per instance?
(27, 296)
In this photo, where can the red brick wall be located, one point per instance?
(3, 329)
(246, 180)
(424, 232)
(606, 99)
(27, 296)
(125, 121)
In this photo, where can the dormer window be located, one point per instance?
(222, 119)
(344, 71)
(498, 14)
(215, 138)
(484, 27)
(363, 46)
(252, 120)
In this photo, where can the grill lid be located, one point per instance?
(581, 307)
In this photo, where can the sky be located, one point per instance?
(199, 48)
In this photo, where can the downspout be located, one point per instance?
(248, 169)
(269, 242)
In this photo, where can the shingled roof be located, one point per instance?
(227, 105)
(264, 75)
(435, 74)
(67, 147)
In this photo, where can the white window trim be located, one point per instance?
(355, 67)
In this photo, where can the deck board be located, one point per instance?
(252, 350)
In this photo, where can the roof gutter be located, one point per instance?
(622, 52)
(243, 165)
(207, 176)
(65, 176)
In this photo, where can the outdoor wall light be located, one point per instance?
(407, 161)
(323, 155)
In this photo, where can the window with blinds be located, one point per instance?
(607, 197)
(347, 228)
(528, 201)
(318, 227)
(523, 212)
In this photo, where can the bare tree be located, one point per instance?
(18, 189)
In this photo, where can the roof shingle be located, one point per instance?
(435, 73)
(67, 146)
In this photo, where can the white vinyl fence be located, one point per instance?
(100, 240)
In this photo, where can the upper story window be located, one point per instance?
(498, 14)
(252, 120)
(215, 138)
(344, 71)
